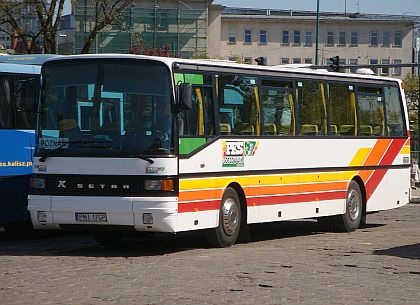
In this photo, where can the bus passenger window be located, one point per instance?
(197, 121)
(277, 107)
(394, 113)
(239, 109)
(342, 109)
(371, 111)
(312, 108)
(5, 104)
(25, 103)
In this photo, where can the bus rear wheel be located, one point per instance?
(226, 234)
(350, 220)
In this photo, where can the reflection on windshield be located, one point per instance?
(118, 108)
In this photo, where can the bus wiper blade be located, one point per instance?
(54, 151)
(63, 144)
(130, 153)
(142, 158)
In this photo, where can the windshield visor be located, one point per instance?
(105, 108)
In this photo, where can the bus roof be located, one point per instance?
(29, 59)
(19, 69)
(226, 64)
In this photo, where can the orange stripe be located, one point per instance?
(374, 157)
(265, 190)
(199, 195)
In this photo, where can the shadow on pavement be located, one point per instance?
(83, 244)
(407, 251)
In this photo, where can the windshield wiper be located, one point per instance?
(63, 144)
(90, 141)
(130, 153)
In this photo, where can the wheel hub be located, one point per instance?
(353, 205)
(230, 216)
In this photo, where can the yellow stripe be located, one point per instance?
(405, 151)
(205, 183)
(360, 156)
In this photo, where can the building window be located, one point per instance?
(353, 62)
(374, 62)
(248, 36)
(297, 60)
(232, 36)
(285, 61)
(296, 38)
(342, 38)
(398, 39)
(308, 61)
(248, 60)
(397, 70)
(308, 39)
(385, 39)
(330, 38)
(263, 36)
(374, 39)
(285, 38)
(384, 70)
(354, 39)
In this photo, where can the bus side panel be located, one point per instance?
(16, 149)
(299, 177)
(388, 194)
(13, 203)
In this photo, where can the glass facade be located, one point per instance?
(179, 26)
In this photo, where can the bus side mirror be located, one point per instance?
(185, 96)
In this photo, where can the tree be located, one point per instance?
(16, 16)
(412, 83)
(138, 47)
(105, 13)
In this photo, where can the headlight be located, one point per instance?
(38, 183)
(159, 185)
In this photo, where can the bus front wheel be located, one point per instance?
(350, 220)
(226, 234)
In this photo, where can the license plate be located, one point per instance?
(91, 217)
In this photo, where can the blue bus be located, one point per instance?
(19, 86)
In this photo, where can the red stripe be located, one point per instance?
(196, 206)
(212, 205)
(283, 199)
(389, 157)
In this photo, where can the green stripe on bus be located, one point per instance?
(188, 145)
(193, 79)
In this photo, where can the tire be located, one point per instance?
(351, 219)
(226, 234)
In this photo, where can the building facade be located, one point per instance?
(288, 37)
(199, 28)
(179, 26)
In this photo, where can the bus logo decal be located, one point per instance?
(234, 152)
(61, 184)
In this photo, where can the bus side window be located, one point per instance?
(312, 108)
(277, 107)
(342, 109)
(26, 93)
(371, 111)
(197, 121)
(5, 104)
(239, 109)
(394, 113)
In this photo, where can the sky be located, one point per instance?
(398, 7)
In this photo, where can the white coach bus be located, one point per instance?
(128, 142)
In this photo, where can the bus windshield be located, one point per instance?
(100, 107)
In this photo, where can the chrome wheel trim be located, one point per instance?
(353, 205)
(230, 217)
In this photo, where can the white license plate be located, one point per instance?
(91, 217)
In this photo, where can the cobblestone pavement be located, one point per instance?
(286, 263)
